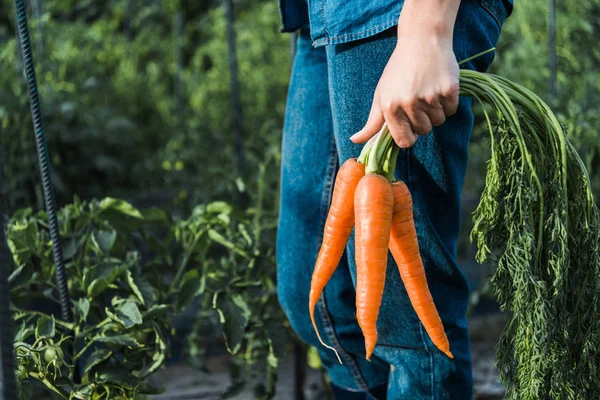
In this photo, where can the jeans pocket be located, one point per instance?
(497, 9)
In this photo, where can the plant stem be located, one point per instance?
(466, 60)
(96, 327)
(379, 152)
(49, 385)
(87, 346)
(184, 262)
(364, 154)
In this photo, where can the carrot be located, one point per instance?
(405, 250)
(373, 204)
(338, 227)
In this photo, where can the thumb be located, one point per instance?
(373, 125)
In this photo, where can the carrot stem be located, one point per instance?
(380, 153)
(364, 154)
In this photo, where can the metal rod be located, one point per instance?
(44, 161)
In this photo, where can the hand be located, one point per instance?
(419, 86)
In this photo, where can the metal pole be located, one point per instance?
(44, 161)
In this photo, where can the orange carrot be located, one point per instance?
(338, 227)
(405, 250)
(373, 204)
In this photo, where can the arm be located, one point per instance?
(419, 86)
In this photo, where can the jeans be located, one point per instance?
(329, 100)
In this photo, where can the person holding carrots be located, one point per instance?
(360, 65)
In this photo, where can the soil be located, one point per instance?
(182, 382)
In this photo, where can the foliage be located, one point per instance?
(238, 283)
(522, 56)
(537, 222)
(116, 123)
(116, 257)
(120, 333)
(107, 78)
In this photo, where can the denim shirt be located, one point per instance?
(340, 21)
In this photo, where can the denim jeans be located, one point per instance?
(329, 99)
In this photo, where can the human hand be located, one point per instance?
(419, 86)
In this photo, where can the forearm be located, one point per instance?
(435, 16)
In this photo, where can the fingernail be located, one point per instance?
(353, 137)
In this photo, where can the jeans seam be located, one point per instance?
(492, 10)
(355, 35)
(323, 18)
(322, 304)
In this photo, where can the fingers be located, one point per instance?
(374, 123)
(400, 127)
(449, 98)
(407, 119)
(420, 121)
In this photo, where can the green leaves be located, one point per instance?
(104, 240)
(127, 314)
(217, 237)
(190, 287)
(45, 327)
(82, 307)
(234, 315)
(141, 288)
(120, 206)
(123, 301)
(537, 216)
(97, 357)
(113, 297)
(118, 340)
(97, 287)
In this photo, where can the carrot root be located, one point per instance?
(338, 227)
(373, 204)
(405, 250)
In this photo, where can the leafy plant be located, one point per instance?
(118, 260)
(537, 222)
(120, 333)
(231, 272)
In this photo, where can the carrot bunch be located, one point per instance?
(366, 197)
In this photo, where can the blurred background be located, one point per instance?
(177, 106)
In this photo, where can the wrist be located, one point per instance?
(430, 17)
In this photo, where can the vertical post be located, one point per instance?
(44, 161)
(235, 86)
(552, 49)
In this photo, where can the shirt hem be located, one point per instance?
(349, 37)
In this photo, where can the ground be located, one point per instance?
(184, 383)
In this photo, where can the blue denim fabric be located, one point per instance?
(329, 99)
(341, 21)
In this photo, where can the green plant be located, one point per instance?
(229, 261)
(537, 222)
(118, 262)
(120, 333)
